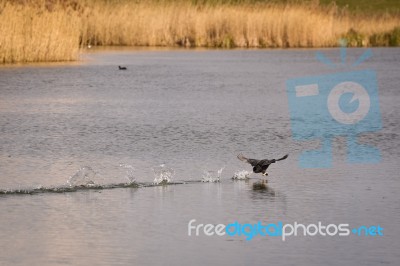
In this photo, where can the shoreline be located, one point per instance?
(57, 31)
(84, 54)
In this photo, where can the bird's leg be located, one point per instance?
(265, 173)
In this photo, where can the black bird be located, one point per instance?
(260, 166)
(121, 68)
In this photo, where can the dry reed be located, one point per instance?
(243, 25)
(52, 30)
(34, 33)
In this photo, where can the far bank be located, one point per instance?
(50, 30)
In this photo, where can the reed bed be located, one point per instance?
(51, 30)
(241, 25)
(33, 33)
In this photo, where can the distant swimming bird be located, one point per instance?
(121, 68)
(260, 166)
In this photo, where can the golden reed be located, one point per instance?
(33, 33)
(53, 30)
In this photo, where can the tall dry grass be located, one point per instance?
(52, 30)
(243, 25)
(32, 33)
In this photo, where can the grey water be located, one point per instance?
(184, 115)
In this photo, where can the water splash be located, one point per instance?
(83, 177)
(163, 175)
(65, 189)
(129, 172)
(241, 175)
(212, 177)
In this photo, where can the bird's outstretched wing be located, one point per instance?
(253, 162)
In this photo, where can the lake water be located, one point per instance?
(89, 126)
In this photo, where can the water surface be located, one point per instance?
(194, 111)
